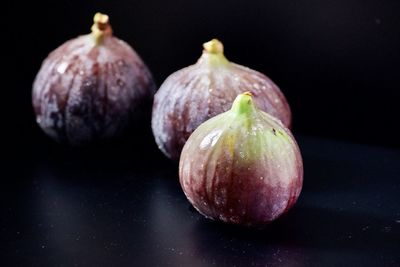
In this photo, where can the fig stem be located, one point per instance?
(213, 53)
(214, 47)
(243, 104)
(101, 27)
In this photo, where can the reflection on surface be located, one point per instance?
(170, 227)
(201, 242)
(127, 212)
(91, 214)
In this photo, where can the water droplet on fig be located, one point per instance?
(234, 219)
(120, 83)
(62, 67)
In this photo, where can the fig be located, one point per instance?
(196, 93)
(91, 88)
(242, 167)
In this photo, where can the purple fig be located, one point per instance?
(196, 93)
(91, 87)
(242, 166)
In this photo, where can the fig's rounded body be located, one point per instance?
(87, 91)
(241, 168)
(199, 92)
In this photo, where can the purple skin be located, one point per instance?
(241, 167)
(87, 91)
(199, 92)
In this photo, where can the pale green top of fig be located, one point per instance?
(213, 53)
(243, 104)
(101, 27)
(257, 129)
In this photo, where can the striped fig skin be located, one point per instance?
(241, 169)
(199, 92)
(86, 91)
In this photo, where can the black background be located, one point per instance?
(337, 62)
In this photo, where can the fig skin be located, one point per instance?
(242, 167)
(91, 88)
(201, 91)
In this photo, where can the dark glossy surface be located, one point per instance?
(90, 208)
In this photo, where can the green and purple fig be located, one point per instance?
(242, 166)
(91, 88)
(199, 92)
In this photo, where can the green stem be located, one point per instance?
(243, 104)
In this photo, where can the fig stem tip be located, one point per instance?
(100, 18)
(101, 27)
(243, 104)
(248, 93)
(214, 47)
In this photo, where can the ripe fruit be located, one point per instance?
(196, 93)
(242, 166)
(91, 87)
